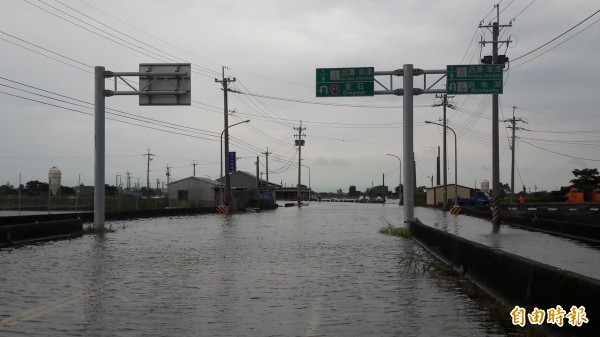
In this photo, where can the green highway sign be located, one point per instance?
(345, 82)
(474, 79)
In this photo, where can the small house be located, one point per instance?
(192, 192)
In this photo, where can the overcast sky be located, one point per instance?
(272, 48)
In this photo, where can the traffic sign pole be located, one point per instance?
(409, 155)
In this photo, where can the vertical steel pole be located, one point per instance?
(409, 158)
(445, 166)
(99, 152)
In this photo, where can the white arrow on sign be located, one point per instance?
(452, 87)
(323, 90)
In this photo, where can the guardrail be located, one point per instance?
(553, 206)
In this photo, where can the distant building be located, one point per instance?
(379, 191)
(87, 190)
(291, 193)
(247, 189)
(192, 192)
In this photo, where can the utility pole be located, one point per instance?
(194, 165)
(438, 168)
(128, 181)
(150, 155)
(299, 143)
(496, 215)
(513, 121)
(157, 186)
(168, 174)
(444, 98)
(257, 178)
(227, 192)
(267, 161)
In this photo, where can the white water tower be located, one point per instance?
(485, 186)
(54, 180)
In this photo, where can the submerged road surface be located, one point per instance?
(320, 270)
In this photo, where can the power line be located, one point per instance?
(327, 104)
(560, 154)
(558, 37)
(152, 36)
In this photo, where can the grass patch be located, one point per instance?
(91, 230)
(395, 231)
(415, 259)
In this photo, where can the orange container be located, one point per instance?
(596, 195)
(575, 195)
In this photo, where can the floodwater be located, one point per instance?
(320, 270)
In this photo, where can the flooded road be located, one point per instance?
(320, 270)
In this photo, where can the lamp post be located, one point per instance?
(227, 191)
(117, 190)
(455, 159)
(400, 178)
(309, 190)
(232, 125)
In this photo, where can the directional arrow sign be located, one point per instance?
(344, 82)
(474, 79)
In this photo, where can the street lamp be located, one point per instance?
(399, 179)
(455, 159)
(246, 121)
(309, 190)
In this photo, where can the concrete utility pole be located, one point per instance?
(194, 165)
(257, 177)
(267, 161)
(438, 168)
(496, 215)
(299, 143)
(150, 155)
(227, 193)
(128, 181)
(168, 174)
(445, 156)
(455, 159)
(513, 121)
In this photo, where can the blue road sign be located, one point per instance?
(232, 165)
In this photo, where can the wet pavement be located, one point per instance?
(321, 270)
(552, 250)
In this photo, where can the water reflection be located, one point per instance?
(100, 260)
(320, 270)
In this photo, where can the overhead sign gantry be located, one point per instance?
(159, 84)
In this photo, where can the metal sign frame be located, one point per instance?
(173, 82)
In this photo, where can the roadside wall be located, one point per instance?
(585, 226)
(39, 231)
(517, 280)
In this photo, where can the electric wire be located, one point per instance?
(558, 37)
